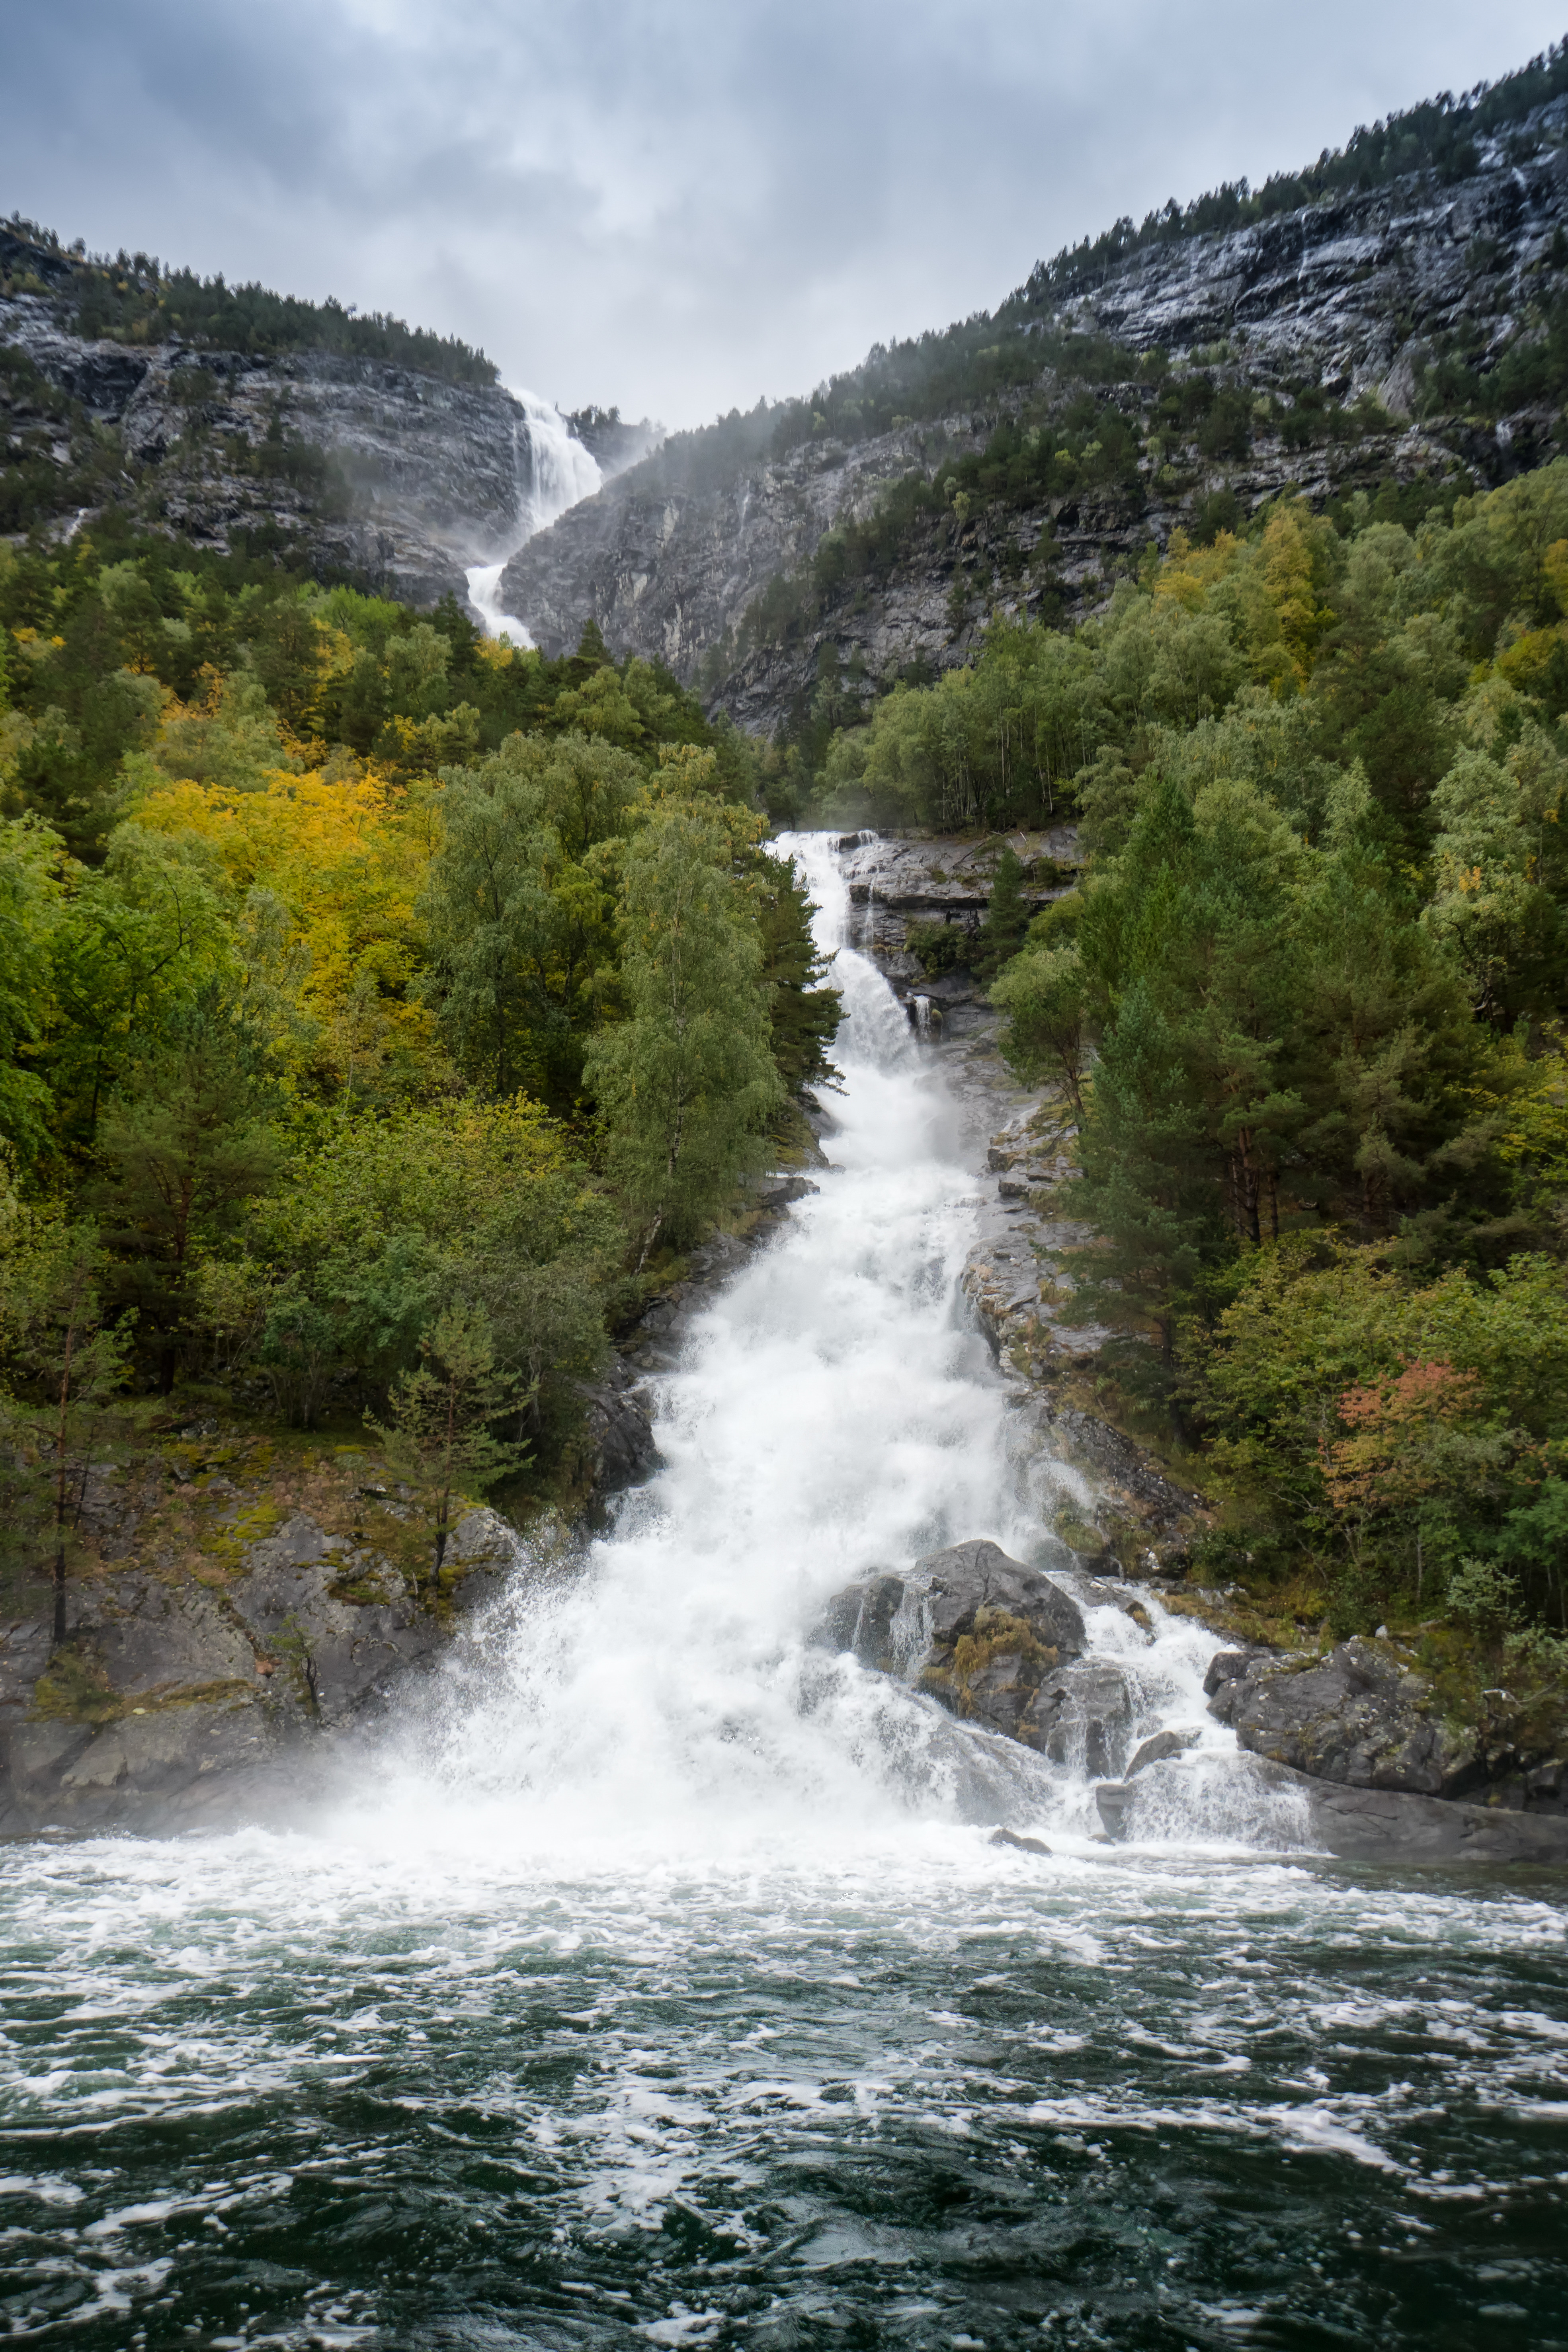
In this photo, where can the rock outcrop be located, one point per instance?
(1364, 1719)
(997, 1644)
(1395, 1827)
(180, 1699)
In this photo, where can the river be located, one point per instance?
(658, 1983)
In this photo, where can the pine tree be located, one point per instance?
(438, 1434)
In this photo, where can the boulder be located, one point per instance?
(617, 1435)
(1395, 1827)
(1358, 1717)
(1020, 1844)
(997, 1643)
(1081, 1716)
(334, 1622)
(977, 1577)
(1161, 1748)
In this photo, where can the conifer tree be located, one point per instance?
(686, 1083)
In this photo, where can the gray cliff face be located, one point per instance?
(666, 567)
(1353, 296)
(421, 476)
(184, 1698)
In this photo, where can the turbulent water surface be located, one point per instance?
(662, 1986)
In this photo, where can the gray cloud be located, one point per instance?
(680, 204)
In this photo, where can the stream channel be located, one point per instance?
(658, 1983)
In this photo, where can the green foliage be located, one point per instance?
(313, 910)
(1043, 994)
(388, 1220)
(1008, 915)
(63, 1362)
(439, 1430)
(804, 1016)
(686, 1083)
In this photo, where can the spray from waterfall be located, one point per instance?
(554, 471)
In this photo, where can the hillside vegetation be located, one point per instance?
(381, 1009)
(1304, 1004)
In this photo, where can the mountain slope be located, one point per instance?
(1393, 339)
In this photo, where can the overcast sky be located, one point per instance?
(677, 206)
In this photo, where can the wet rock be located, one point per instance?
(1229, 1666)
(338, 1621)
(1081, 1717)
(1391, 1825)
(150, 1637)
(995, 1641)
(958, 1584)
(1358, 1717)
(862, 1619)
(1020, 1844)
(1160, 1748)
(191, 1698)
(617, 1435)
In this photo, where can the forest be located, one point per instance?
(383, 1012)
(1303, 1002)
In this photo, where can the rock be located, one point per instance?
(1357, 1717)
(617, 1434)
(1020, 1844)
(1395, 1827)
(338, 1621)
(1229, 1666)
(1160, 1747)
(153, 1638)
(1113, 1801)
(1081, 1717)
(958, 1584)
(861, 1619)
(38, 1753)
(1399, 1826)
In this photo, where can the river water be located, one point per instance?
(660, 1985)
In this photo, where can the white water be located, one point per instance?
(836, 1412)
(553, 470)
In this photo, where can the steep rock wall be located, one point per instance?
(1353, 296)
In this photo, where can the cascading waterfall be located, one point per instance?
(835, 1413)
(663, 1991)
(554, 471)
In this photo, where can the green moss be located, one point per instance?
(74, 1687)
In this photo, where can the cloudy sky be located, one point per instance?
(678, 204)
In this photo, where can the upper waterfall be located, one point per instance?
(554, 471)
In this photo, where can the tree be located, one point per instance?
(439, 1432)
(1044, 994)
(1006, 917)
(686, 1083)
(68, 1362)
(804, 1015)
(185, 1150)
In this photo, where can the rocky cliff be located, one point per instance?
(355, 464)
(1355, 300)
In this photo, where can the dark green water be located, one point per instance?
(278, 2092)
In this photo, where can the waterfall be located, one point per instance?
(835, 1410)
(553, 470)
